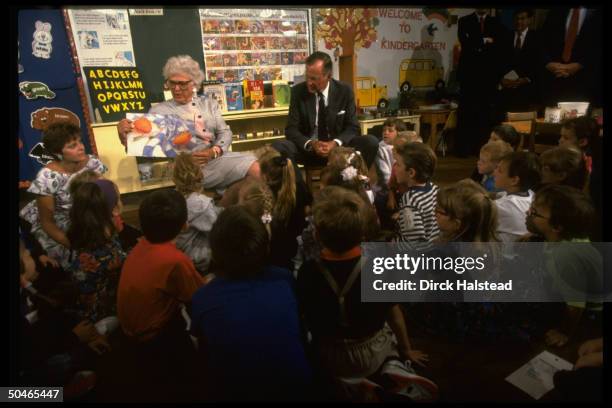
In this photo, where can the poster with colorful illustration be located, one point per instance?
(102, 37)
(397, 47)
(159, 135)
(258, 44)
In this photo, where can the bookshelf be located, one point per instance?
(260, 126)
(123, 168)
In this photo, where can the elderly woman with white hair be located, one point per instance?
(220, 167)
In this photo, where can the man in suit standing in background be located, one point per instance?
(322, 115)
(521, 52)
(572, 57)
(480, 35)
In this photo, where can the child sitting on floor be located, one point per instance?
(292, 198)
(506, 133)
(384, 157)
(578, 133)
(201, 212)
(128, 235)
(347, 168)
(562, 165)
(352, 340)
(394, 189)
(156, 280)
(247, 317)
(490, 155)
(565, 217)
(516, 174)
(97, 253)
(414, 166)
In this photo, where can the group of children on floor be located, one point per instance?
(256, 296)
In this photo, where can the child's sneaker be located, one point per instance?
(81, 384)
(405, 381)
(360, 389)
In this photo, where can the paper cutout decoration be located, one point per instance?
(34, 90)
(43, 117)
(19, 66)
(41, 46)
(41, 155)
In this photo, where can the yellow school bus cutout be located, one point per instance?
(420, 73)
(369, 94)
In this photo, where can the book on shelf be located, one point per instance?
(253, 93)
(216, 92)
(281, 91)
(233, 96)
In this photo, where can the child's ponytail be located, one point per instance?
(285, 202)
(279, 174)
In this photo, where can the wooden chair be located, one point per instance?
(313, 175)
(514, 116)
(526, 120)
(449, 126)
(544, 136)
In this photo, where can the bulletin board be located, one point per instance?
(230, 45)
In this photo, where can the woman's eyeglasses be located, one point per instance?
(183, 85)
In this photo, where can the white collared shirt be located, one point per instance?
(522, 35)
(325, 93)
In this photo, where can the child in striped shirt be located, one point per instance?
(414, 166)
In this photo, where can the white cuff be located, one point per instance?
(338, 141)
(307, 145)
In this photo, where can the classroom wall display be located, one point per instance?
(102, 37)
(46, 89)
(116, 91)
(254, 44)
(386, 40)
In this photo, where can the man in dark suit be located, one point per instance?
(572, 57)
(322, 115)
(521, 52)
(479, 65)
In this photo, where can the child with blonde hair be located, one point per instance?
(409, 136)
(465, 213)
(201, 212)
(490, 155)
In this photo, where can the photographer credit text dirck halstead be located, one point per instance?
(413, 264)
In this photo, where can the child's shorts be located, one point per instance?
(358, 357)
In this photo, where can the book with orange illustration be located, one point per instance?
(160, 135)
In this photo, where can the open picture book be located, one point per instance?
(160, 135)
